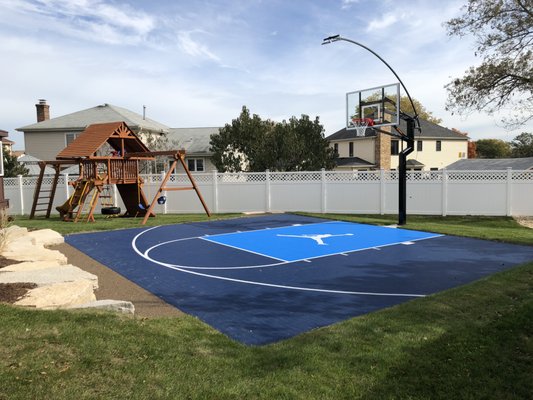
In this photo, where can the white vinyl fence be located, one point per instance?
(442, 192)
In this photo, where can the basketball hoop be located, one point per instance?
(360, 125)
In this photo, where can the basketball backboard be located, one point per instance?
(380, 106)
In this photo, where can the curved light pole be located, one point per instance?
(409, 138)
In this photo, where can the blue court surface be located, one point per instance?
(263, 279)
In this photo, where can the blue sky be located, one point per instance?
(196, 63)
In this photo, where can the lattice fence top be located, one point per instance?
(522, 176)
(477, 176)
(241, 177)
(314, 176)
(295, 176)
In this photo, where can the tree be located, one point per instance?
(492, 148)
(423, 113)
(522, 145)
(252, 144)
(299, 145)
(12, 167)
(504, 33)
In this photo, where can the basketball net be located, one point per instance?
(360, 125)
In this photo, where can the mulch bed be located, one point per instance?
(11, 292)
(4, 262)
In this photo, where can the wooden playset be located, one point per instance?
(107, 154)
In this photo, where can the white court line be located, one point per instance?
(177, 268)
(214, 268)
(241, 249)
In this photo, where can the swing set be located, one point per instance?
(98, 173)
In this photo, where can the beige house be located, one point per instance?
(435, 148)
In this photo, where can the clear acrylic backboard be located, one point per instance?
(379, 104)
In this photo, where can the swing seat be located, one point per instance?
(110, 210)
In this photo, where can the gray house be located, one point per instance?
(494, 164)
(46, 138)
(195, 142)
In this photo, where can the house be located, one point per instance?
(7, 144)
(49, 136)
(46, 138)
(435, 148)
(195, 142)
(494, 164)
(31, 163)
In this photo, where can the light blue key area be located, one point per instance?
(303, 242)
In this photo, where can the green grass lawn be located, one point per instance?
(471, 342)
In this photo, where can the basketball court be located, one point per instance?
(263, 279)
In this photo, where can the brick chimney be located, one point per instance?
(382, 150)
(43, 110)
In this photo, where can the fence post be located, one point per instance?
(268, 199)
(444, 192)
(21, 195)
(324, 192)
(67, 194)
(115, 195)
(509, 189)
(382, 191)
(215, 191)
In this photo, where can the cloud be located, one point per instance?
(348, 3)
(93, 20)
(194, 48)
(383, 22)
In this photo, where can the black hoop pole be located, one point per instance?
(408, 138)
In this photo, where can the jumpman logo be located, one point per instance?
(317, 238)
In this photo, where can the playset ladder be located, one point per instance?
(106, 198)
(44, 197)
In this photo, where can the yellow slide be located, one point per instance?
(82, 188)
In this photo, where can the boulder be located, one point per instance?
(31, 266)
(46, 237)
(49, 276)
(59, 295)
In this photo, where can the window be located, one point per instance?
(70, 137)
(336, 148)
(394, 147)
(195, 164)
(439, 145)
(419, 145)
(350, 152)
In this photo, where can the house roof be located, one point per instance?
(96, 135)
(414, 163)
(478, 164)
(31, 163)
(79, 120)
(192, 140)
(344, 134)
(429, 131)
(352, 162)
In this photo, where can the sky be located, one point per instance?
(197, 63)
